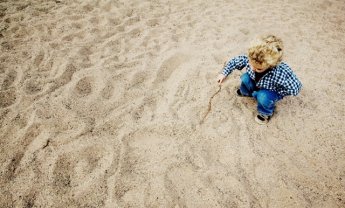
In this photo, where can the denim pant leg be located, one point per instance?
(247, 85)
(266, 101)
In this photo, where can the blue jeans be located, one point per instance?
(266, 98)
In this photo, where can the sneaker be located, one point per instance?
(239, 93)
(261, 119)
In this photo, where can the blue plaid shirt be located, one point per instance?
(280, 78)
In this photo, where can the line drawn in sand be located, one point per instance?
(209, 108)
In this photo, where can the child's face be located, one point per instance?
(256, 67)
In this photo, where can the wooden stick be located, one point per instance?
(210, 104)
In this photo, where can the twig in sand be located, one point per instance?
(210, 104)
(47, 143)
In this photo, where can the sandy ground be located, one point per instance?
(101, 104)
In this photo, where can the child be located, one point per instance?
(267, 79)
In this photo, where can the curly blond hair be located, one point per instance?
(266, 51)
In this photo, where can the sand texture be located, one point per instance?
(103, 104)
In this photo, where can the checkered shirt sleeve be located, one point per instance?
(238, 62)
(292, 86)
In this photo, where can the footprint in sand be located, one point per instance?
(108, 90)
(7, 98)
(79, 169)
(8, 94)
(33, 86)
(9, 80)
(84, 86)
(39, 59)
(145, 149)
(152, 22)
(168, 67)
(11, 168)
(21, 148)
(65, 78)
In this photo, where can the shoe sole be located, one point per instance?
(260, 121)
(241, 95)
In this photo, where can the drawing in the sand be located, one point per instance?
(209, 107)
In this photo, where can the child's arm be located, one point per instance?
(287, 81)
(238, 62)
(292, 85)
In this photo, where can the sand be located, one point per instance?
(101, 105)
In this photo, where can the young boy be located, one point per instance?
(267, 79)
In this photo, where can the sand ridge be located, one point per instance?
(101, 103)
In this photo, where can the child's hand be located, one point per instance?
(221, 78)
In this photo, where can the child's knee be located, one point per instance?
(264, 99)
(245, 78)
